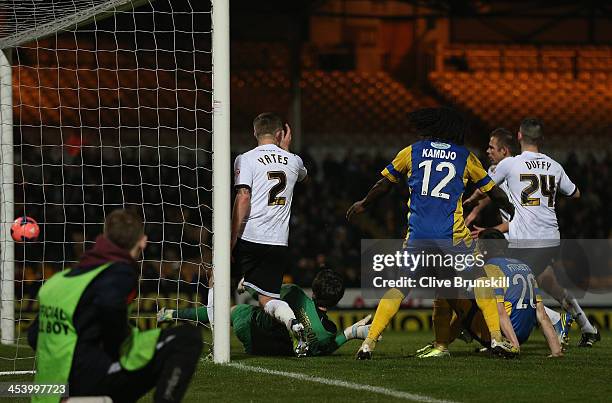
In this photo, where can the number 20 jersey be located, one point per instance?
(533, 180)
(271, 174)
(437, 174)
(520, 297)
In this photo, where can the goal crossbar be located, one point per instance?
(76, 19)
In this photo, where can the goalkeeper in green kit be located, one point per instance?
(262, 334)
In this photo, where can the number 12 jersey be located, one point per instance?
(437, 174)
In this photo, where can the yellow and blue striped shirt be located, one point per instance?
(437, 174)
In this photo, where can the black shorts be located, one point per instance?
(538, 259)
(263, 266)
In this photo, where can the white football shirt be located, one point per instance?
(271, 173)
(533, 180)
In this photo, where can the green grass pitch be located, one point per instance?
(582, 375)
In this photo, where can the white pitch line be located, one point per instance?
(342, 384)
(17, 373)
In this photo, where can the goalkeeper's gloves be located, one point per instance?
(359, 330)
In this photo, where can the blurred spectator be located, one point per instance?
(175, 200)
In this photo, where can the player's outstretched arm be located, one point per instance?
(548, 331)
(506, 325)
(242, 206)
(359, 330)
(380, 188)
(476, 210)
(473, 200)
(500, 199)
(476, 230)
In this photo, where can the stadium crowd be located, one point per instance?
(179, 248)
(320, 233)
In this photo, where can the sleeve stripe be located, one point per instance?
(487, 187)
(484, 181)
(391, 173)
(574, 192)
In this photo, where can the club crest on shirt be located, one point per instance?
(440, 146)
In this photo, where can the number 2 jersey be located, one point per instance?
(437, 174)
(521, 295)
(271, 174)
(533, 180)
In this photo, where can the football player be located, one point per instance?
(519, 304)
(533, 181)
(264, 180)
(503, 144)
(436, 170)
(260, 334)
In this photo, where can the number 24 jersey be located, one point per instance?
(533, 180)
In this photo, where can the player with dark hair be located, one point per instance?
(533, 181)
(445, 124)
(436, 169)
(264, 180)
(81, 334)
(260, 334)
(519, 304)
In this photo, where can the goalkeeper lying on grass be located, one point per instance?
(261, 334)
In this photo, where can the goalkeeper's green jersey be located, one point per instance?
(321, 333)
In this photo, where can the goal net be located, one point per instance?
(105, 105)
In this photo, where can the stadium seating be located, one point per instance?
(259, 55)
(345, 104)
(568, 105)
(337, 107)
(568, 87)
(72, 97)
(508, 58)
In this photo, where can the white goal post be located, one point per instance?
(219, 152)
(221, 179)
(7, 203)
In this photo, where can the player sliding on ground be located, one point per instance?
(519, 305)
(533, 181)
(436, 169)
(260, 334)
(264, 180)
